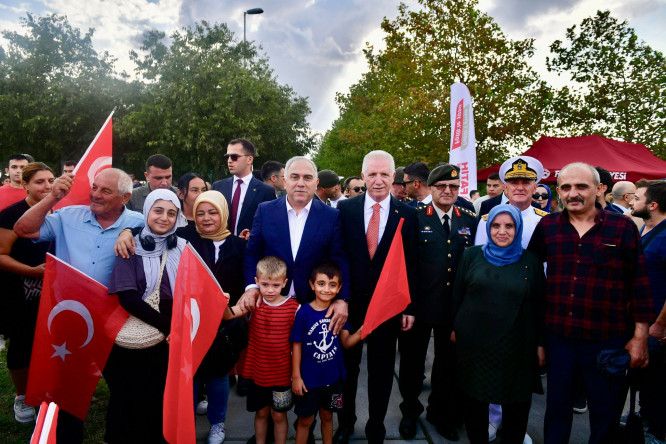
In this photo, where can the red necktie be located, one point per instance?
(372, 235)
(234, 206)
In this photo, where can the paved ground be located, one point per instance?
(239, 422)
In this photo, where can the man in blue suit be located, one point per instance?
(303, 232)
(242, 191)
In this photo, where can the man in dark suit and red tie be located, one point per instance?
(369, 223)
(242, 191)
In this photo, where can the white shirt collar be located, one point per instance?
(427, 200)
(245, 179)
(306, 208)
(369, 202)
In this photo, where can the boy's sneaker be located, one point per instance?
(22, 412)
(580, 405)
(217, 433)
(202, 407)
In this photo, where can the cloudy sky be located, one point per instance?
(315, 46)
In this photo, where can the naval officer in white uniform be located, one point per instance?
(520, 175)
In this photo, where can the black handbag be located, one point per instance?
(230, 342)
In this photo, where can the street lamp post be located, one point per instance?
(251, 12)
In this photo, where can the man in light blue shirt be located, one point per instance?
(84, 238)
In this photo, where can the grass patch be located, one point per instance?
(12, 432)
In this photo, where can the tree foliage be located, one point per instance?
(204, 90)
(55, 90)
(402, 103)
(619, 80)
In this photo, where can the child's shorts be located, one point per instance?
(328, 397)
(279, 399)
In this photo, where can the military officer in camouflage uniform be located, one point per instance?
(445, 230)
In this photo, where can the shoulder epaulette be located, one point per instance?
(466, 211)
(540, 212)
(485, 217)
(421, 207)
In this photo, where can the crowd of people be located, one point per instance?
(520, 284)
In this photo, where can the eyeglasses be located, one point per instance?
(444, 186)
(235, 157)
(538, 196)
(358, 189)
(407, 182)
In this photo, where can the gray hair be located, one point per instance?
(378, 154)
(593, 171)
(295, 159)
(124, 181)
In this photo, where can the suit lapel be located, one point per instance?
(280, 224)
(250, 196)
(227, 186)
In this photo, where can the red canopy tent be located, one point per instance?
(624, 160)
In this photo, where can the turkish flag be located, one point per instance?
(198, 306)
(391, 295)
(46, 424)
(77, 324)
(96, 158)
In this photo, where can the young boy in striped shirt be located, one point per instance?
(268, 360)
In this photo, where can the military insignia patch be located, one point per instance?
(465, 230)
(429, 211)
(457, 211)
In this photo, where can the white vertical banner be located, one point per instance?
(463, 142)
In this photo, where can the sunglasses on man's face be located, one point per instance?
(359, 189)
(444, 186)
(538, 196)
(234, 157)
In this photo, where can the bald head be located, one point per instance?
(623, 193)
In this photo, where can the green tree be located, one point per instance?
(402, 103)
(204, 90)
(621, 82)
(55, 90)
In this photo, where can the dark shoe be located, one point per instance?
(407, 428)
(242, 386)
(342, 435)
(580, 405)
(448, 432)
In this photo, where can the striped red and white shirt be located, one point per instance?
(268, 360)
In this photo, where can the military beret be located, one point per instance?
(328, 178)
(399, 175)
(521, 167)
(444, 172)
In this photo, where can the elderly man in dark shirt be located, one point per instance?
(597, 287)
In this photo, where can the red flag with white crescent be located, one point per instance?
(96, 158)
(198, 306)
(391, 295)
(77, 323)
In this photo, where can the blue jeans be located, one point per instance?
(217, 390)
(565, 358)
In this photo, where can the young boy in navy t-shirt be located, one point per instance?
(317, 366)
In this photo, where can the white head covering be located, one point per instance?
(521, 167)
(152, 259)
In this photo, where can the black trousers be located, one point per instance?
(445, 397)
(136, 380)
(381, 350)
(514, 421)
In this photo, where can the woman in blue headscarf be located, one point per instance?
(498, 309)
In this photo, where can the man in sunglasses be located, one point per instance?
(445, 230)
(415, 183)
(354, 186)
(243, 192)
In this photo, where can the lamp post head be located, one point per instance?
(255, 11)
